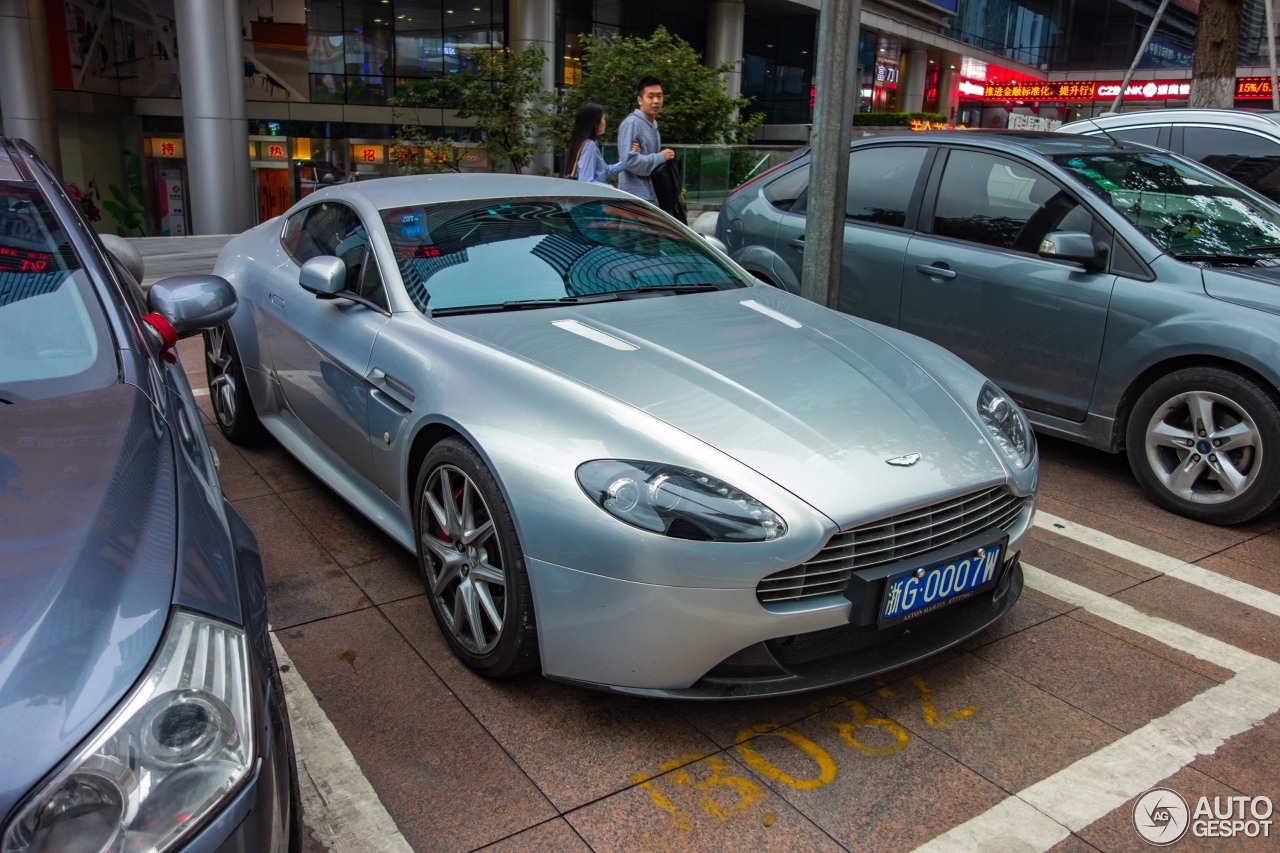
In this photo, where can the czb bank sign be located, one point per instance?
(1162, 817)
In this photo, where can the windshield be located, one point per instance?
(53, 337)
(496, 255)
(1189, 211)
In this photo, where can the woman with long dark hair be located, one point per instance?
(584, 160)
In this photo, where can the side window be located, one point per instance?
(782, 192)
(999, 202)
(1145, 135)
(317, 230)
(291, 237)
(1252, 160)
(881, 181)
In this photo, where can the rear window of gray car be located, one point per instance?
(54, 338)
(881, 182)
(784, 191)
(493, 252)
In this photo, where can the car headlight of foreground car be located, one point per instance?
(1007, 425)
(677, 502)
(176, 747)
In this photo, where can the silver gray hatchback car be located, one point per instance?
(1126, 297)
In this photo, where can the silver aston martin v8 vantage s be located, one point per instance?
(618, 457)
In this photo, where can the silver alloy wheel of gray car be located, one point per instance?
(222, 375)
(1204, 442)
(228, 391)
(465, 572)
(1204, 447)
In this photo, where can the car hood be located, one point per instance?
(1255, 287)
(87, 510)
(811, 399)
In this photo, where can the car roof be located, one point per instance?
(1269, 121)
(409, 190)
(1044, 143)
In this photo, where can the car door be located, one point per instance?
(320, 347)
(974, 283)
(879, 216)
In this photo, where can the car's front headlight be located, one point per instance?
(677, 502)
(174, 749)
(1007, 424)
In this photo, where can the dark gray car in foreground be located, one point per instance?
(1126, 297)
(140, 707)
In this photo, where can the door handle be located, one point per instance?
(797, 243)
(936, 270)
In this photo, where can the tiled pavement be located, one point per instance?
(460, 762)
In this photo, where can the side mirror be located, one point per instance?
(324, 276)
(124, 252)
(193, 303)
(1075, 246)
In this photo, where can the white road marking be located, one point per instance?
(1170, 633)
(339, 806)
(199, 392)
(1163, 563)
(1041, 815)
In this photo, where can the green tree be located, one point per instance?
(504, 95)
(696, 108)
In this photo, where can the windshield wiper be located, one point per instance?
(1221, 258)
(524, 304)
(1265, 247)
(661, 289)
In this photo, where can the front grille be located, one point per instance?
(889, 540)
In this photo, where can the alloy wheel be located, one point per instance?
(222, 376)
(1203, 447)
(464, 561)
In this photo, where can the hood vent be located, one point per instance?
(584, 331)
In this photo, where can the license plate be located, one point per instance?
(915, 592)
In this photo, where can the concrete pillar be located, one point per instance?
(213, 121)
(533, 22)
(911, 83)
(239, 126)
(948, 100)
(26, 94)
(724, 41)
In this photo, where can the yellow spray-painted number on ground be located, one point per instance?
(858, 733)
(826, 767)
(742, 792)
(862, 719)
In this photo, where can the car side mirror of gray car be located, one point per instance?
(1076, 246)
(325, 276)
(193, 303)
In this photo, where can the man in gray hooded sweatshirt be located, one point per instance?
(642, 127)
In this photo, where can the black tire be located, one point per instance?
(1205, 443)
(228, 390)
(473, 567)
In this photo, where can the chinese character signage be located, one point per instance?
(274, 151)
(368, 154)
(1086, 90)
(167, 147)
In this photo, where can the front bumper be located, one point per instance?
(692, 643)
